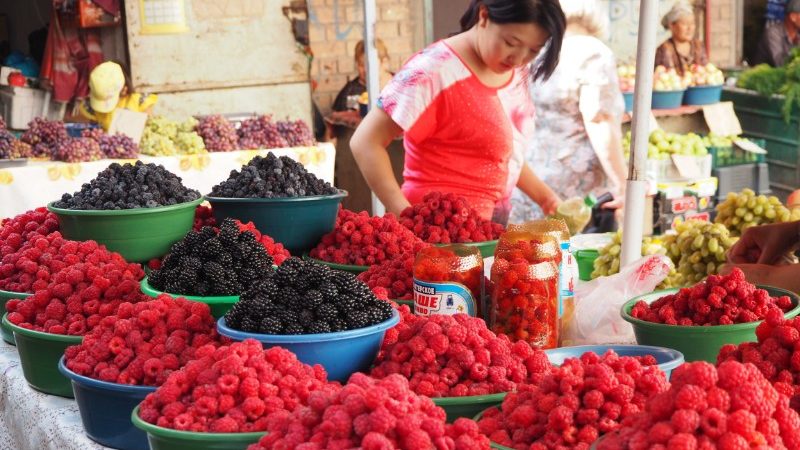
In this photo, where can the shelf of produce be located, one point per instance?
(680, 111)
(40, 182)
(31, 419)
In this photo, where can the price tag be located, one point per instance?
(129, 123)
(687, 166)
(721, 119)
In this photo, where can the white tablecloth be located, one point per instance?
(39, 183)
(31, 420)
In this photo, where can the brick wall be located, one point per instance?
(724, 26)
(337, 25)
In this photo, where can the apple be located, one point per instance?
(16, 79)
(793, 200)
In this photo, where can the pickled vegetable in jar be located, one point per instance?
(525, 279)
(448, 280)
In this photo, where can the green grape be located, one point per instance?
(742, 210)
(698, 248)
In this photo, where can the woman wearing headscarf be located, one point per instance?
(681, 50)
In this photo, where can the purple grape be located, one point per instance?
(218, 133)
(296, 133)
(118, 146)
(260, 132)
(44, 135)
(13, 148)
(77, 150)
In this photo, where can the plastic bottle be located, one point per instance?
(449, 280)
(576, 212)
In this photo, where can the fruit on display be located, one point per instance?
(713, 140)
(78, 297)
(304, 297)
(18, 230)
(720, 300)
(394, 274)
(369, 414)
(662, 144)
(583, 399)
(698, 249)
(707, 75)
(793, 200)
(218, 133)
(11, 147)
(274, 249)
(165, 137)
(116, 146)
(669, 80)
(272, 177)
(260, 132)
(443, 267)
(773, 354)
(727, 407)
(75, 150)
(296, 133)
(144, 342)
(362, 240)
(608, 262)
(213, 263)
(448, 218)
(742, 210)
(129, 186)
(203, 217)
(44, 135)
(457, 356)
(627, 77)
(233, 389)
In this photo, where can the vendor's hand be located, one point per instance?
(785, 277)
(549, 203)
(765, 244)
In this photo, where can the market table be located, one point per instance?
(32, 420)
(36, 184)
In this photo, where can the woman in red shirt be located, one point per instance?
(463, 106)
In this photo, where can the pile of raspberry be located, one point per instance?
(575, 403)
(361, 240)
(274, 249)
(448, 218)
(720, 300)
(396, 275)
(727, 407)
(144, 342)
(16, 231)
(369, 414)
(457, 356)
(203, 217)
(776, 354)
(233, 389)
(78, 297)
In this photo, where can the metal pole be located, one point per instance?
(636, 190)
(373, 74)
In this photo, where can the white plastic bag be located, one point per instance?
(597, 318)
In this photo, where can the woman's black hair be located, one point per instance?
(545, 13)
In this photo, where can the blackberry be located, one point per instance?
(357, 319)
(338, 325)
(327, 312)
(129, 186)
(319, 327)
(293, 329)
(313, 298)
(272, 177)
(329, 291)
(270, 325)
(306, 317)
(203, 264)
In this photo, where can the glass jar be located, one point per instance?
(448, 280)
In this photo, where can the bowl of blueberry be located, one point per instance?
(281, 198)
(138, 210)
(323, 316)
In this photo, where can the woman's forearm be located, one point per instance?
(532, 186)
(368, 145)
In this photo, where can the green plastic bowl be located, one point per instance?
(39, 354)
(298, 223)
(585, 260)
(219, 305)
(697, 343)
(486, 248)
(456, 407)
(139, 235)
(5, 296)
(161, 438)
(341, 267)
(495, 445)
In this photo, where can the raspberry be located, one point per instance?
(685, 421)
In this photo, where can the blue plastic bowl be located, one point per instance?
(667, 99)
(106, 410)
(628, 97)
(702, 95)
(76, 129)
(341, 354)
(667, 358)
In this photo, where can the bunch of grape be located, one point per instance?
(296, 133)
(13, 148)
(609, 260)
(74, 150)
(698, 249)
(661, 144)
(714, 140)
(218, 133)
(117, 146)
(164, 137)
(44, 135)
(740, 211)
(260, 132)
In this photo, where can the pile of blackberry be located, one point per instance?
(211, 263)
(129, 186)
(272, 177)
(304, 297)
